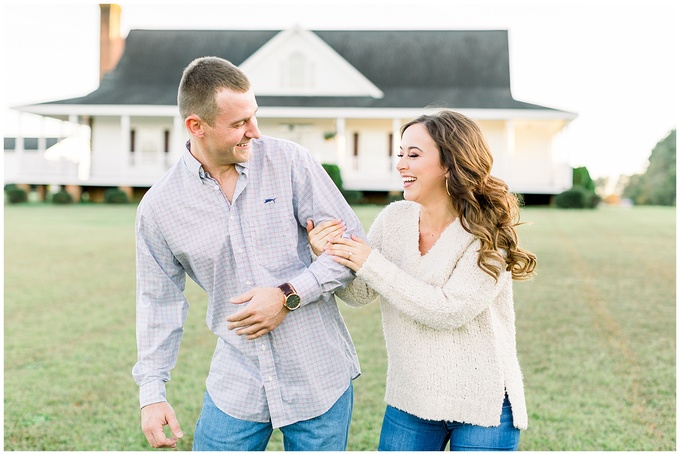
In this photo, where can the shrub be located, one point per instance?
(593, 200)
(333, 171)
(573, 198)
(115, 196)
(15, 195)
(577, 197)
(62, 197)
(353, 196)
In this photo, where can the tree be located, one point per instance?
(656, 186)
(581, 177)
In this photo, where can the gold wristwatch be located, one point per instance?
(292, 299)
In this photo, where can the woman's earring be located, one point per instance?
(446, 183)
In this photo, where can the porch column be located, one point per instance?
(509, 155)
(396, 142)
(177, 140)
(19, 145)
(84, 157)
(125, 146)
(340, 143)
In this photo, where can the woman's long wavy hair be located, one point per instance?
(485, 205)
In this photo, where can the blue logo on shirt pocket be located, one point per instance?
(268, 200)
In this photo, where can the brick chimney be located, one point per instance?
(111, 44)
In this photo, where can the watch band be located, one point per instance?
(287, 289)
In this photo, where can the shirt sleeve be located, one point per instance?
(316, 197)
(162, 309)
(468, 291)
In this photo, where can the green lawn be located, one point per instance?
(596, 333)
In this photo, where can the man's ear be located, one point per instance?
(194, 125)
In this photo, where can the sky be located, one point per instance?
(613, 63)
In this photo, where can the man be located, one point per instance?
(232, 214)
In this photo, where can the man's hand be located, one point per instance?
(264, 312)
(154, 417)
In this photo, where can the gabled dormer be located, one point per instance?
(297, 62)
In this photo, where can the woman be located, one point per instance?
(442, 262)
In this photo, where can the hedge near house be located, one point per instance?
(115, 196)
(62, 197)
(15, 195)
(351, 196)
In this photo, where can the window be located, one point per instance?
(132, 140)
(166, 141)
(30, 143)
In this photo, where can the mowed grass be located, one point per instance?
(595, 332)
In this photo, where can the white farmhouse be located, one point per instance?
(343, 94)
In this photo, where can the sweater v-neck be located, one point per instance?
(436, 242)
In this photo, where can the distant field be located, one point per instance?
(596, 333)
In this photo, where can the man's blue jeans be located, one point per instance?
(217, 431)
(405, 432)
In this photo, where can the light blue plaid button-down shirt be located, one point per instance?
(185, 225)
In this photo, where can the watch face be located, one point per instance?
(292, 301)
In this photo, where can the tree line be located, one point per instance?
(655, 186)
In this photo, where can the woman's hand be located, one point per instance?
(350, 253)
(318, 236)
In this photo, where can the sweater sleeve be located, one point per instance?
(468, 291)
(359, 292)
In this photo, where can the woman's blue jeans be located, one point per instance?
(405, 432)
(217, 431)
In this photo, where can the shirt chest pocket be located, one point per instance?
(274, 235)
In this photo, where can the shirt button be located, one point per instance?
(240, 250)
(270, 379)
(216, 187)
(264, 348)
(249, 283)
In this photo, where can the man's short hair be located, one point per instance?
(202, 79)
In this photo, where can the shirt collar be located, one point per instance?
(196, 168)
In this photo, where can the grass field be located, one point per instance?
(596, 333)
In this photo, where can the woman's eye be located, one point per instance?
(400, 155)
(413, 155)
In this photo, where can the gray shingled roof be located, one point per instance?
(464, 69)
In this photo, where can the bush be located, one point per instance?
(15, 195)
(592, 200)
(577, 197)
(333, 171)
(115, 196)
(62, 197)
(574, 198)
(353, 196)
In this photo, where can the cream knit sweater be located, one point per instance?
(449, 327)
